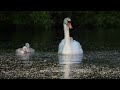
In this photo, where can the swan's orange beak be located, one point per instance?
(69, 25)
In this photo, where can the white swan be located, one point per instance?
(25, 49)
(68, 45)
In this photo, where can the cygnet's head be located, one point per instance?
(27, 45)
(67, 21)
(24, 48)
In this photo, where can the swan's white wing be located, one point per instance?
(61, 46)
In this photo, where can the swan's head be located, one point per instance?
(27, 45)
(67, 21)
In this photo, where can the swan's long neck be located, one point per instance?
(66, 33)
(67, 48)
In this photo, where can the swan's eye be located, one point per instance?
(69, 21)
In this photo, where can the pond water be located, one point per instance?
(101, 58)
(49, 65)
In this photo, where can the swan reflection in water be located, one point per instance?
(25, 58)
(68, 63)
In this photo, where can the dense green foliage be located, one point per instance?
(47, 19)
(35, 27)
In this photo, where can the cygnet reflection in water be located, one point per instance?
(25, 56)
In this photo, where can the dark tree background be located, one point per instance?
(34, 23)
(49, 19)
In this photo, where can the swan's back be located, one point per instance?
(75, 47)
(19, 50)
(31, 50)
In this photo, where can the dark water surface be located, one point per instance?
(101, 58)
(50, 65)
